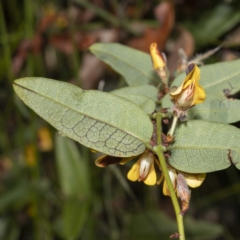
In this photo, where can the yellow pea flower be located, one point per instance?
(144, 169)
(189, 93)
(193, 180)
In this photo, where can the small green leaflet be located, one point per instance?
(98, 120)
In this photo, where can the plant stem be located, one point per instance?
(174, 123)
(159, 152)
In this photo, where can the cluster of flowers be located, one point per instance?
(147, 168)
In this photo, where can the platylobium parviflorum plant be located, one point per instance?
(127, 124)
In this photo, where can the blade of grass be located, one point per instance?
(114, 231)
(75, 54)
(6, 46)
(28, 13)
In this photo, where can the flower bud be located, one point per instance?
(183, 192)
(145, 164)
(159, 62)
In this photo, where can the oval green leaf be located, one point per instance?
(216, 110)
(72, 169)
(201, 146)
(135, 66)
(98, 120)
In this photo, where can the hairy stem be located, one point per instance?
(159, 152)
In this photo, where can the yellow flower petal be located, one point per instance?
(190, 92)
(194, 180)
(133, 174)
(159, 63)
(165, 189)
(151, 178)
(157, 59)
(160, 179)
(199, 95)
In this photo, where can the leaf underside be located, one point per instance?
(98, 120)
(201, 146)
(134, 65)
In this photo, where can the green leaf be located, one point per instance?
(215, 23)
(135, 66)
(72, 169)
(214, 110)
(13, 230)
(148, 91)
(144, 96)
(75, 214)
(201, 146)
(146, 104)
(16, 197)
(75, 184)
(98, 120)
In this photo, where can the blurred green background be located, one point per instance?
(49, 185)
